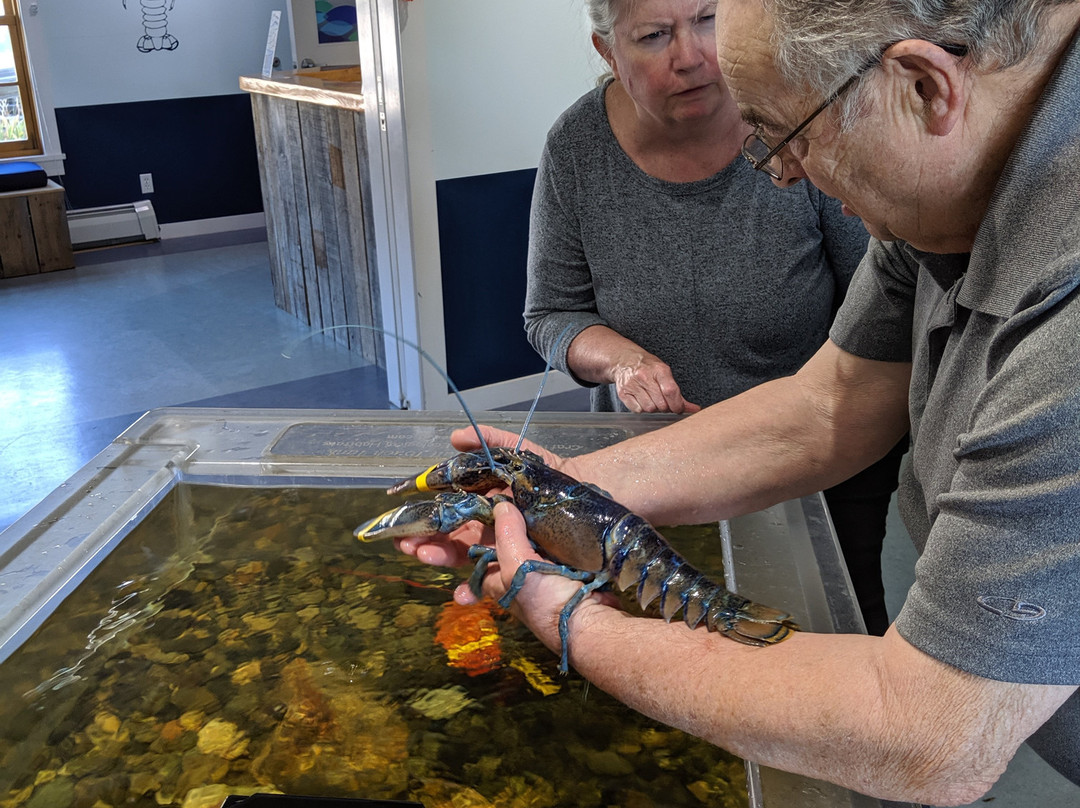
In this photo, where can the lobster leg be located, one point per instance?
(591, 581)
(485, 556)
(564, 618)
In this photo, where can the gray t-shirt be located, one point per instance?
(991, 493)
(729, 280)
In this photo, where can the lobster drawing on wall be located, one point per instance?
(156, 34)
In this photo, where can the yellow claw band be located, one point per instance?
(421, 480)
(361, 533)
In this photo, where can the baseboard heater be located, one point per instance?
(113, 224)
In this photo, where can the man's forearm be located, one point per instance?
(840, 708)
(782, 439)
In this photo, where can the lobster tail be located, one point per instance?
(642, 559)
(639, 559)
(750, 623)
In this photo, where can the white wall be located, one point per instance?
(484, 80)
(93, 58)
(499, 73)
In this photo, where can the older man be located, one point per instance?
(951, 129)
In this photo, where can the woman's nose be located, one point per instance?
(688, 51)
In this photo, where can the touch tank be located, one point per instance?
(188, 617)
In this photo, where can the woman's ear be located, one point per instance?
(605, 53)
(936, 79)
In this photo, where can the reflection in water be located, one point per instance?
(241, 640)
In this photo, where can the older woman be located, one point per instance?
(679, 275)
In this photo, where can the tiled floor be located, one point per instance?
(85, 352)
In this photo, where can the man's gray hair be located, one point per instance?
(820, 44)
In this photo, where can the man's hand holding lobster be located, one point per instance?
(539, 602)
(451, 550)
(591, 542)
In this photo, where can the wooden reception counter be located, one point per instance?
(309, 128)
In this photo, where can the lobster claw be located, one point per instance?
(443, 514)
(435, 478)
(468, 471)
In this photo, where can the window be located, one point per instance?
(18, 125)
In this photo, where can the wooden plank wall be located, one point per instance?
(315, 182)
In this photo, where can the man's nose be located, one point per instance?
(793, 170)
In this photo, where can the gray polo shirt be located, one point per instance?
(991, 492)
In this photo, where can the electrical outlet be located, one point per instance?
(146, 182)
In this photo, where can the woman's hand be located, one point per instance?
(646, 384)
(643, 382)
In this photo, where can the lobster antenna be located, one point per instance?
(287, 353)
(543, 380)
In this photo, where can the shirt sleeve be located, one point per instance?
(560, 301)
(875, 319)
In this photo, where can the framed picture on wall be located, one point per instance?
(324, 32)
(335, 20)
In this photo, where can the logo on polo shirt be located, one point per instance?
(1012, 608)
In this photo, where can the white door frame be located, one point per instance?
(406, 213)
(384, 118)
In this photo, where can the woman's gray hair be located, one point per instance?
(603, 14)
(820, 44)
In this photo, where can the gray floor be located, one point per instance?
(84, 352)
(192, 321)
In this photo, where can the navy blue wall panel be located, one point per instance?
(484, 240)
(201, 152)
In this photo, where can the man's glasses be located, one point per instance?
(764, 157)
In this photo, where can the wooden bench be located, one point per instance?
(34, 233)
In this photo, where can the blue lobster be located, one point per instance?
(586, 535)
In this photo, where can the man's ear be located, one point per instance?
(605, 53)
(936, 78)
